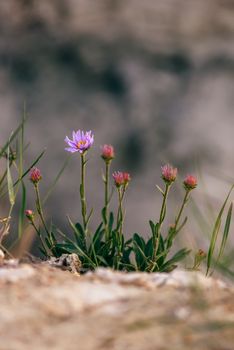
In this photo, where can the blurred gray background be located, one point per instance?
(153, 78)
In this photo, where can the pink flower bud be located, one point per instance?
(121, 178)
(126, 178)
(35, 175)
(169, 173)
(29, 214)
(201, 253)
(108, 152)
(190, 182)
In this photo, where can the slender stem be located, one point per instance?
(120, 211)
(6, 251)
(82, 193)
(39, 208)
(161, 219)
(121, 192)
(171, 235)
(181, 209)
(3, 178)
(163, 208)
(107, 175)
(41, 239)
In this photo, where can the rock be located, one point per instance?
(69, 262)
(48, 308)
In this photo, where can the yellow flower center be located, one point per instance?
(81, 143)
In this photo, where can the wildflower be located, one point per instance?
(121, 178)
(190, 182)
(108, 152)
(29, 214)
(201, 253)
(81, 141)
(198, 258)
(35, 175)
(169, 173)
(126, 178)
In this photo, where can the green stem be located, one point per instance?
(161, 219)
(107, 175)
(82, 194)
(120, 212)
(39, 209)
(181, 209)
(163, 208)
(177, 220)
(121, 192)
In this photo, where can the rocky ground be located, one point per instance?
(43, 307)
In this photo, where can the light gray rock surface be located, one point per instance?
(45, 308)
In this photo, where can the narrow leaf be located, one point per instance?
(10, 182)
(225, 232)
(22, 211)
(215, 232)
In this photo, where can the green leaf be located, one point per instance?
(138, 248)
(105, 249)
(102, 260)
(97, 238)
(43, 251)
(12, 137)
(160, 190)
(22, 211)
(225, 232)
(89, 216)
(149, 248)
(31, 166)
(128, 267)
(180, 255)
(78, 233)
(126, 255)
(54, 183)
(104, 218)
(139, 240)
(25, 173)
(161, 252)
(48, 242)
(152, 226)
(10, 186)
(182, 225)
(215, 232)
(81, 191)
(111, 221)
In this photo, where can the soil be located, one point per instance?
(43, 307)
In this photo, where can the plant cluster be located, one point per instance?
(106, 246)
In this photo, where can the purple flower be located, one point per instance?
(81, 141)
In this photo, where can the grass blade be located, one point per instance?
(10, 185)
(52, 186)
(225, 232)
(25, 173)
(13, 136)
(215, 233)
(22, 211)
